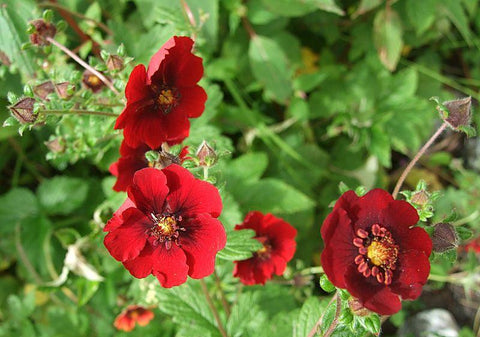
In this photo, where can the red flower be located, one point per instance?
(161, 99)
(473, 245)
(131, 160)
(278, 239)
(167, 226)
(132, 314)
(372, 250)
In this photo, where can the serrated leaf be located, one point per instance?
(187, 307)
(62, 195)
(270, 67)
(244, 316)
(240, 245)
(271, 195)
(250, 166)
(380, 146)
(387, 36)
(308, 316)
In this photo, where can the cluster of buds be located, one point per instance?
(40, 31)
(63, 90)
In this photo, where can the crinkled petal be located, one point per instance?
(116, 219)
(137, 88)
(147, 128)
(127, 240)
(371, 207)
(189, 196)
(339, 252)
(373, 295)
(399, 214)
(149, 190)
(245, 270)
(159, 56)
(124, 169)
(413, 268)
(203, 238)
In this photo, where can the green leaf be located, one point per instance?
(188, 308)
(308, 316)
(325, 284)
(464, 233)
(387, 36)
(85, 290)
(292, 8)
(271, 195)
(270, 67)
(245, 316)
(62, 195)
(421, 14)
(249, 167)
(15, 206)
(456, 14)
(13, 25)
(240, 245)
(365, 6)
(380, 146)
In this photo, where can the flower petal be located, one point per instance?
(147, 128)
(192, 101)
(373, 295)
(339, 252)
(399, 214)
(127, 240)
(116, 219)
(189, 196)
(136, 88)
(159, 56)
(370, 208)
(149, 190)
(413, 268)
(415, 238)
(203, 238)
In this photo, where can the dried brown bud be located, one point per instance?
(444, 237)
(114, 62)
(44, 89)
(357, 308)
(91, 81)
(55, 145)
(420, 198)
(43, 30)
(23, 110)
(62, 90)
(206, 155)
(459, 112)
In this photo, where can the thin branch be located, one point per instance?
(78, 112)
(225, 304)
(23, 256)
(212, 308)
(83, 64)
(320, 320)
(334, 323)
(101, 25)
(420, 153)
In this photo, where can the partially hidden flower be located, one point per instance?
(473, 245)
(372, 250)
(133, 159)
(167, 227)
(278, 240)
(133, 314)
(162, 98)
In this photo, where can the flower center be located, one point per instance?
(166, 97)
(377, 253)
(166, 229)
(264, 252)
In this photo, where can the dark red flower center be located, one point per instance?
(166, 98)
(166, 229)
(264, 252)
(377, 253)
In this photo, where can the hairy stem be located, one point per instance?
(334, 323)
(83, 64)
(78, 112)
(222, 330)
(415, 159)
(225, 304)
(320, 320)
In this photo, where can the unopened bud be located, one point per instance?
(55, 145)
(420, 198)
(91, 81)
(42, 30)
(114, 62)
(206, 155)
(44, 89)
(357, 308)
(23, 110)
(444, 237)
(64, 90)
(459, 112)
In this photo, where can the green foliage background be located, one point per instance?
(303, 95)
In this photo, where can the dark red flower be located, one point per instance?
(167, 226)
(473, 245)
(133, 314)
(162, 98)
(372, 250)
(131, 160)
(278, 240)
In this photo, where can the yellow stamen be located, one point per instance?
(167, 225)
(378, 253)
(166, 97)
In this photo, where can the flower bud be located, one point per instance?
(357, 308)
(55, 145)
(41, 31)
(444, 237)
(23, 110)
(91, 81)
(420, 198)
(44, 89)
(459, 112)
(114, 62)
(206, 155)
(63, 90)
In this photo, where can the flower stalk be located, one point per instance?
(335, 319)
(78, 112)
(212, 308)
(415, 159)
